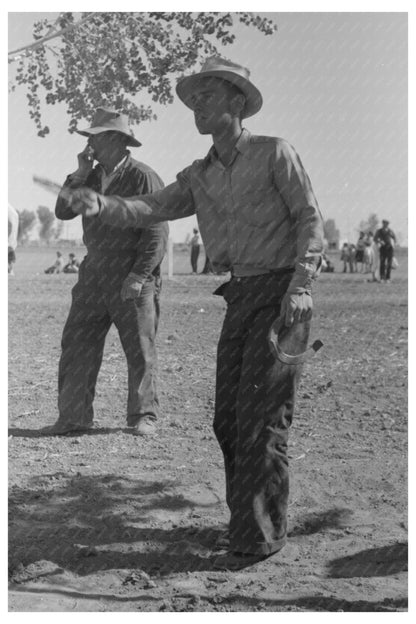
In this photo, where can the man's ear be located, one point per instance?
(238, 103)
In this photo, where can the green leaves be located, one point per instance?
(113, 57)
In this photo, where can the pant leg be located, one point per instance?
(194, 257)
(83, 342)
(156, 300)
(254, 409)
(389, 259)
(265, 407)
(383, 260)
(136, 324)
(229, 360)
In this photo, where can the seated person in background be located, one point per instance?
(73, 265)
(57, 266)
(327, 266)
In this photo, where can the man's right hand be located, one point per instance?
(85, 162)
(85, 202)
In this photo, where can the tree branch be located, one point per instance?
(40, 42)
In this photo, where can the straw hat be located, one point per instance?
(106, 120)
(217, 67)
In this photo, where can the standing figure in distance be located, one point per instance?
(386, 239)
(195, 247)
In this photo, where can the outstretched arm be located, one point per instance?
(173, 202)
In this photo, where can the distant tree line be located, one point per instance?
(49, 227)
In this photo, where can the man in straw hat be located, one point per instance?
(259, 219)
(119, 282)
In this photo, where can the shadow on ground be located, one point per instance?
(17, 432)
(382, 561)
(85, 524)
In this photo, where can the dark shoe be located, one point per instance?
(233, 561)
(145, 427)
(223, 541)
(62, 429)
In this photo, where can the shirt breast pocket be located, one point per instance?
(258, 207)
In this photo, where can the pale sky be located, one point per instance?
(334, 85)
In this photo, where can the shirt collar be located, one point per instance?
(118, 166)
(241, 146)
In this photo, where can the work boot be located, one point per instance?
(146, 426)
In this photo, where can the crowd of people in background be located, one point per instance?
(373, 253)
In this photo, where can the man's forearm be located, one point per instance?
(128, 213)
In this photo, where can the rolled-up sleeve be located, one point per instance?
(295, 188)
(171, 203)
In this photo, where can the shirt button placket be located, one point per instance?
(231, 217)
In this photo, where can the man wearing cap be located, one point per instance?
(119, 282)
(386, 239)
(258, 219)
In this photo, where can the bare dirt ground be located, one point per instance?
(106, 521)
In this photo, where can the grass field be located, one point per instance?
(111, 522)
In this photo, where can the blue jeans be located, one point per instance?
(96, 304)
(255, 400)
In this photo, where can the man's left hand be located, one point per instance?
(131, 288)
(84, 201)
(296, 308)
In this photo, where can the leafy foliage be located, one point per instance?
(108, 58)
(371, 225)
(27, 220)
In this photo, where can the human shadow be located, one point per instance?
(93, 523)
(381, 561)
(17, 432)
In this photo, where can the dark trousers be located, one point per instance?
(255, 398)
(194, 258)
(386, 257)
(94, 308)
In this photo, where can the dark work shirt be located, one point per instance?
(386, 237)
(146, 245)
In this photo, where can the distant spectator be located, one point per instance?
(57, 266)
(359, 254)
(72, 265)
(386, 239)
(13, 226)
(327, 265)
(195, 247)
(371, 258)
(353, 263)
(345, 256)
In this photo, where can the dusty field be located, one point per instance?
(111, 522)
